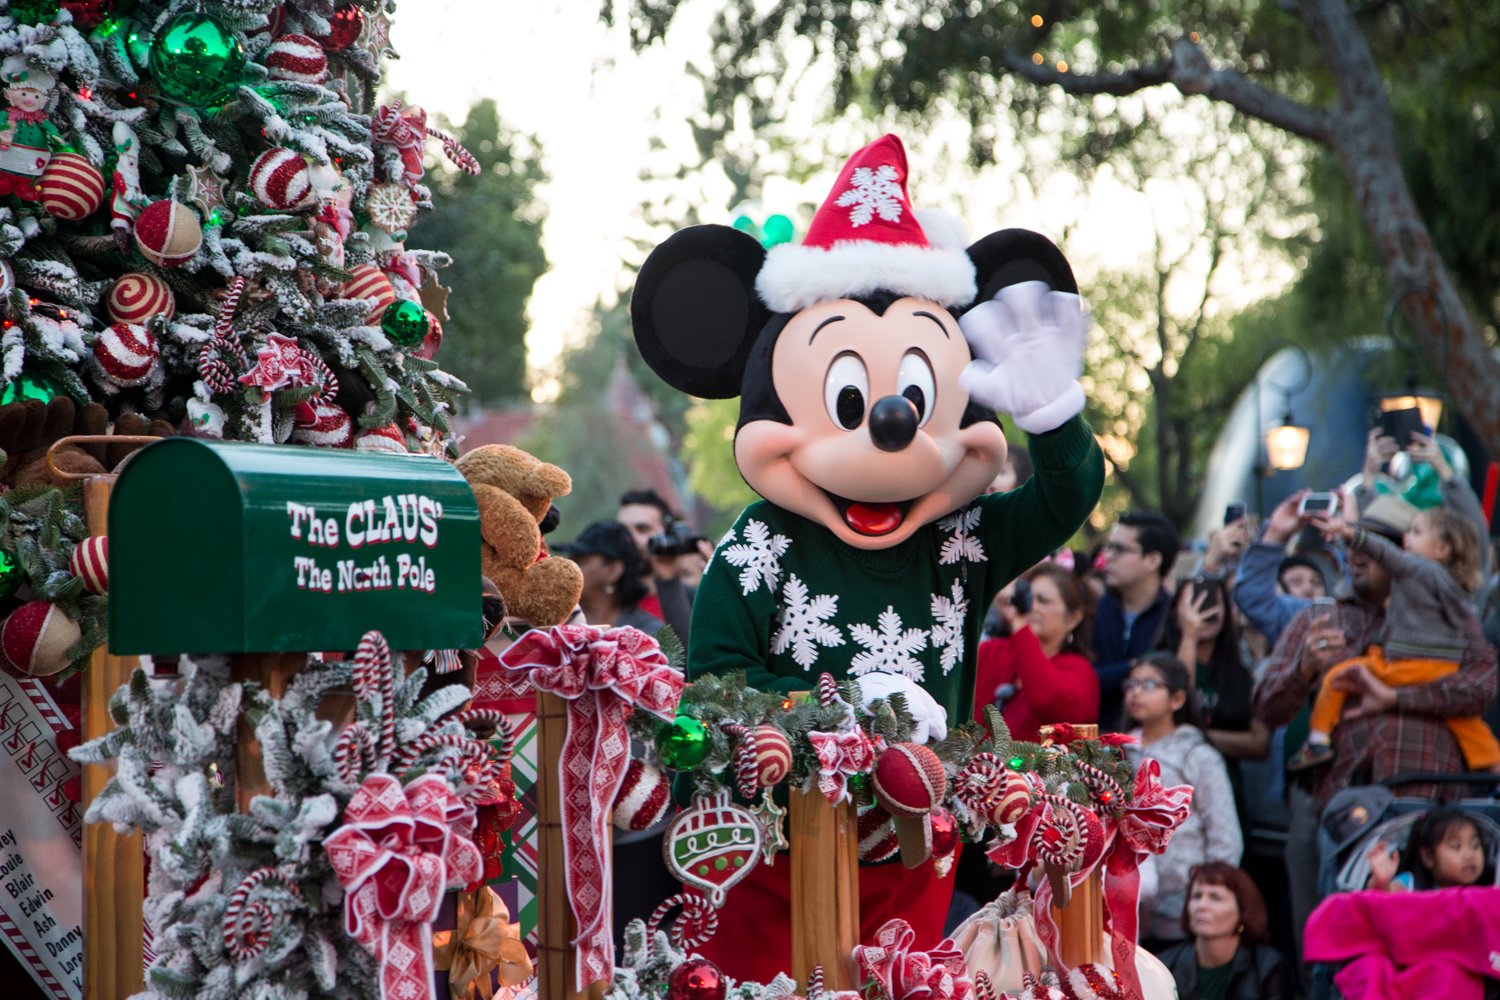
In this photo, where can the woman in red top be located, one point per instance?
(1041, 673)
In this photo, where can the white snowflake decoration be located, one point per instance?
(804, 624)
(871, 193)
(758, 557)
(961, 545)
(950, 614)
(890, 650)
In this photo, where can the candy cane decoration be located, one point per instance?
(693, 928)
(746, 768)
(247, 926)
(492, 717)
(328, 382)
(1101, 786)
(390, 126)
(983, 988)
(373, 677)
(1068, 850)
(354, 753)
(456, 153)
(471, 751)
(212, 368)
(815, 983)
(828, 689)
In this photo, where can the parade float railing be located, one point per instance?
(825, 888)
(262, 553)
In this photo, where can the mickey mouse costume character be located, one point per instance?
(869, 361)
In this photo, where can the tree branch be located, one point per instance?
(1189, 71)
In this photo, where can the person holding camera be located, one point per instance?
(1202, 634)
(1454, 491)
(662, 539)
(1041, 672)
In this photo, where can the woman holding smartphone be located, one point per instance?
(1202, 633)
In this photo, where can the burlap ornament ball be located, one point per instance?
(168, 234)
(90, 563)
(137, 297)
(1011, 800)
(773, 755)
(36, 638)
(909, 779)
(72, 187)
(369, 282)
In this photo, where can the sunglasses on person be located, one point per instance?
(1144, 684)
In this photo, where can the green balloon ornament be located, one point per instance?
(682, 744)
(197, 61)
(405, 322)
(11, 574)
(777, 230)
(30, 386)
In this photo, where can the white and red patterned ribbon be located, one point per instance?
(901, 973)
(602, 673)
(397, 851)
(840, 756)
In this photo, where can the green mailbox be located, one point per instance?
(218, 547)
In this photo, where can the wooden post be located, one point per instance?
(555, 925)
(114, 873)
(825, 889)
(1080, 924)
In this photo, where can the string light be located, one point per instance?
(1037, 21)
(1037, 58)
(1194, 37)
(1062, 66)
(1015, 763)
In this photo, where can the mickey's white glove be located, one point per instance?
(931, 718)
(1028, 353)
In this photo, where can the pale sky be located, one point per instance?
(555, 71)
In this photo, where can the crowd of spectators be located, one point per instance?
(1213, 654)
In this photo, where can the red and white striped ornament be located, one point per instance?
(877, 835)
(331, 428)
(36, 639)
(126, 354)
(90, 563)
(369, 282)
(296, 58)
(281, 179)
(168, 234)
(137, 297)
(387, 439)
(773, 755)
(645, 793)
(72, 187)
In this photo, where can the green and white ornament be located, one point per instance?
(712, 845)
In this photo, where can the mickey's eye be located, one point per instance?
(915, 381)
(845, 390)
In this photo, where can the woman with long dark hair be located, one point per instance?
(1041, 673)
(1202, 633)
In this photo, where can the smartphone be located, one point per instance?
(1234, 512)
(1020, 595)
(1402, 424)
(1326, 504)
(1324, 613)
(1208, 585)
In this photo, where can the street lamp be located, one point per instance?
(1429, 401)
(1284, 446)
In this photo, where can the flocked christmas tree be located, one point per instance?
(202, 215)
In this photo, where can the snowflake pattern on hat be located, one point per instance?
(871, 193)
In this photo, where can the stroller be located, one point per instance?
(1357, 818)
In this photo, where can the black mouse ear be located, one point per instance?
(695, 312)
(1012, 256)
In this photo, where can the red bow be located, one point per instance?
(900, 973)
(840, 755)
(406, 129)
(602, 673)
(1144, 827)
(31, 117)
(396, 853)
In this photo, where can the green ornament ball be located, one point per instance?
(682, 743)
(11, 574)
(405, 322)
(30, 386)
(777, 230)
(197, 61)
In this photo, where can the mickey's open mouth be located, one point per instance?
(872, 519)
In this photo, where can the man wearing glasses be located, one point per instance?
(1139, 554)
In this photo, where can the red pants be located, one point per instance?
(754, 941)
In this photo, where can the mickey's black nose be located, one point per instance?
(893, 423)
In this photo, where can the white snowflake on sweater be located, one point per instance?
(871, 193)
(961, 545)
(804, 623)
(758, 557)
(890, 650)
(950, 613)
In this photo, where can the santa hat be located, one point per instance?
(866, 238)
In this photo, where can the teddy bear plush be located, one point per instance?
(515, 491)
(29, 428)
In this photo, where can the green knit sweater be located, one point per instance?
(784, 600)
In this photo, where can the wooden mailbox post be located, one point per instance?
(264, 553)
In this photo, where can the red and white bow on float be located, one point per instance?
(840, 755)
(901, 973)
(603, 673)
(398, 850)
